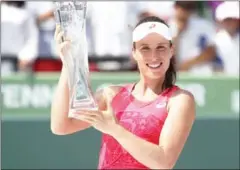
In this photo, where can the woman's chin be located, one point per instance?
(155, 75)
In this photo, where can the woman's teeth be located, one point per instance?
(154, 65)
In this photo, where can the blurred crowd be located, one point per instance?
(206, 33)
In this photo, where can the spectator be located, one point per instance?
(43, 12)
(19, 35)
(227, 39)
(110, 31)
(161, 9)
(194, 39)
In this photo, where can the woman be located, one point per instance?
(227, 38)
(146, 124)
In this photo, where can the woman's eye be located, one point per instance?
(145, 48)
(160, 48)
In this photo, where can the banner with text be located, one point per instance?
(215, 96)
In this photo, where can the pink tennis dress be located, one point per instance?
(144, 119)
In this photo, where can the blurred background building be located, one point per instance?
(206, 39)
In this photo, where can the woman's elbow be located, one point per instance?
(58, 129)
(167, 164)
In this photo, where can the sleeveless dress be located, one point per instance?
(144, 119)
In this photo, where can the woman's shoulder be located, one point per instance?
(108, 92)
(182, 106)
(182, 98)
(182, 94)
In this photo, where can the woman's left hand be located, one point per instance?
(103, 121)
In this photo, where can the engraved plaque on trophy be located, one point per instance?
(71, 15)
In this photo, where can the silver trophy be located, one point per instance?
(71, 15)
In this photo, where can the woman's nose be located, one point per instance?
(154, 55)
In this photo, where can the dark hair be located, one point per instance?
(171, 74)
(187, 5)
(18, 4)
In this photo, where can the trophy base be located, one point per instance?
(74, 111)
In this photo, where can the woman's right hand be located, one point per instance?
(61, 46)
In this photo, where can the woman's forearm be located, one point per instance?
(61, 124)
(60, 103)
(147, 153)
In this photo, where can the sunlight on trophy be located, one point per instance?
(71, 15)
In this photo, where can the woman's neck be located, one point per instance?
(145, 86)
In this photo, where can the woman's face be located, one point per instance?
(153, 54)
(231, 25)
